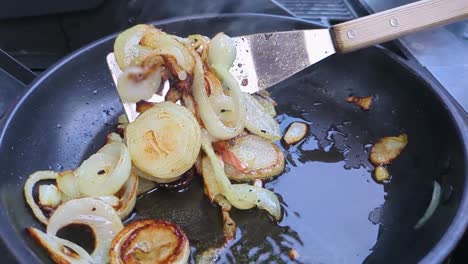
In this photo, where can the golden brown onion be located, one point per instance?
(387, 149)
(164, 142)
(150, 241)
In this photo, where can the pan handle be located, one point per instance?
(394, 23)
(14, 78)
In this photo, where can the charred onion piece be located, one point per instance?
(387, 149)
(363, 102)
(142, 106)
(150, 241)
(164, 142)
(295, 133)
(262, 157)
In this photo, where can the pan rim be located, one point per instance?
(23, 253)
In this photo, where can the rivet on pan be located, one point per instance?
(393, 22)
(351, 33)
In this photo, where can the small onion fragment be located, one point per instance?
(221, 51)
(28, 192)
(164, 142)
(258, 121)
(138, 83)
(363, 102)
(387, 149)
(105, 172)
(150, 241)
(435, 200)
(127, 200)
(67, 184)
(381, 174)
(99, 216)
(49, 195)
(60, 250)
(295, 133)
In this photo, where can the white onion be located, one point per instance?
(435, 200)
(258, 121)
(144, 185)
(60, 250)
(28, 192)
(207, 113)
(241, 196)
(49, 195)
(99, 216)
(128, 199)
(164, 142)
(127, 45)
(131, 90)
(67, 184)
(105, 172)
(221, 51)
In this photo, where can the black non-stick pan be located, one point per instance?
(334, 211)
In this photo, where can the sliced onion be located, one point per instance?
(435, 200)
(145, 185)
(67, 184)
(99, 216)
(28, 192)
(127, 45)
(258, 121)
(207, 113)
(268, 104)
(386, 149)
(128, 199)
(150, 241)
(132, 87)
(295, 133)
(221, 51)
(105, 172)
(60, 250)
(49, 195)
(164, 142)
(241, 196)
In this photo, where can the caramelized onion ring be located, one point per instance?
(150, 241)
(28, 192)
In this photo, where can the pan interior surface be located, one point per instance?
(334, 212)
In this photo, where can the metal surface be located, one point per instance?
(266, 59)
(319, 10)
(327, 191)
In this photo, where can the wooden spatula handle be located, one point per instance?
(393, 23)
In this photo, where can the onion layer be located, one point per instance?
(241, 196)
(138, 83)
(164, 142)
(127, 45)
(105, 172)
(61, 250)
(28, 192)
(67, 184)
(99, 216)
(150, 241)
(128, 199)
(259, 121)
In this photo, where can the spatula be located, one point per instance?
(266, 59)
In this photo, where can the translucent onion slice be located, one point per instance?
(28, 192)
(105, 172)
(150, 241)
(164, 142)
(127, 45)
(259, 121)
(67, 184)
(207, 113)
(145, 185)
(128, 198)
(435, 200)
(99, 216)
(138, 83)
(241, 196)
(60, 250)
(221, 51)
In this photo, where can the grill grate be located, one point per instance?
(331, 10)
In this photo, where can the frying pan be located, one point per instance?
(334, 211)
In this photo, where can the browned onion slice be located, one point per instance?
(150, 241)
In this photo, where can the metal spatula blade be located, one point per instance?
(266, 59)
